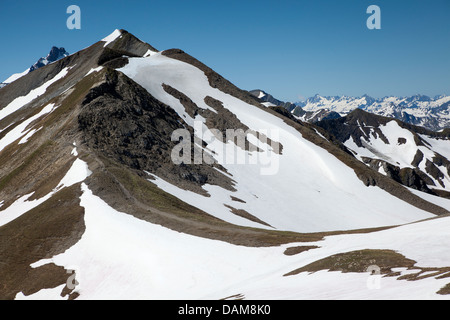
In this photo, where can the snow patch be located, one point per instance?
(16, 76)
(77, 173)
(268, 104)
(29, 135)
(19, 102)
(122, 257)
(94, 70)
(150, 53)
(44, 294)
(113, 36)
(20, 130)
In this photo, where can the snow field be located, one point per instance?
(309, 189)
(122, 257)
(77, 173)
(19, 102)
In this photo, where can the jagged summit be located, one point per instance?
(55, 54)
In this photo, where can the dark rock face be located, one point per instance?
(409, 177)
(56, 53)
(135, 117)
(433, 171)
(123, 121)
(350, 126)
(323, 114)
(417, 158)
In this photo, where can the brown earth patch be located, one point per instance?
(238, 296)
(45, 231)
(244, 214)
(225, 119)
(358, 261)
(298, 249)
(237, 199)
(48, 168)
(445, 290)
(385, 260)
(438, 273)
(433, 171)
(417, 158)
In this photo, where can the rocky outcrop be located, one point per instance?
(409, 177)
(123, 121)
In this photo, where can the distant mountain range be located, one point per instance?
(419, 110)
(309, 116)
(54, 55)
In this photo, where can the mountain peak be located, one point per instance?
(55, 52)
(113, 36)
(122, 41)
(54, 55)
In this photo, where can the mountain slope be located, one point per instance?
(90, 189)
(264, 195)
(413, 156)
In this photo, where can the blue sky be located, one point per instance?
(292, 49)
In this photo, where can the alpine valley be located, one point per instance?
(92, 205)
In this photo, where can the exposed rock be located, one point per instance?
(122, 120)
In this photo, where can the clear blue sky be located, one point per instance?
(291, 49)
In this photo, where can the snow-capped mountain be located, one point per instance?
(309, 116)
(54, 55)
(431, 113)
(132, 173)
(271, 101)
